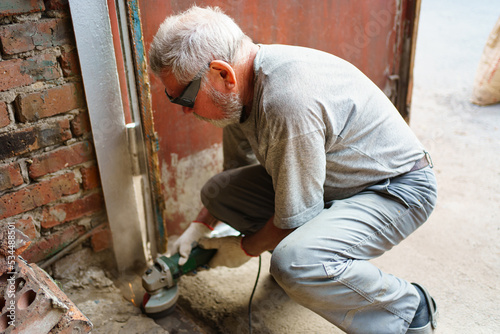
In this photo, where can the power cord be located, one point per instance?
(251, 297)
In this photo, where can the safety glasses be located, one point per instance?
(188, 95)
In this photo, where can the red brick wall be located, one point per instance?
(49, 183)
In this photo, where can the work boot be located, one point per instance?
(424, 320)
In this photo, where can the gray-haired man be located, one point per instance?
(318, 166)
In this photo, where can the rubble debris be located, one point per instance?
(90, 283)
(33, 303)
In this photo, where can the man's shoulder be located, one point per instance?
(274, 55)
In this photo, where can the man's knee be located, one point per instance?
(214, 188)
(288, 264)
(300, 260)
(280, 268)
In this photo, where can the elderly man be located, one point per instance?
(319, 167)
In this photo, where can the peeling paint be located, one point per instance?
(152, 144)
(182, 181)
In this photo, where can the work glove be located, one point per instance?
(229, 251)
(189, 239)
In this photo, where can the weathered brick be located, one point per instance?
(90, 177)
(56, 4)
(10, 176)
(63, 33)
(27, 36)
(70, 64)
(14, 7)
(53, 133)
(73, 321)
(80, 125)
(11, 75)
(33, 138)
(17, 245)
(38, 194)
(41, 67)
(101, 238)
(17, 142)
(31, 107)
(65, 212)
(48, 245)
(27, 226)
(4, 115)
(19, 72)
(22, 37)
(41, 306)
(61, 158)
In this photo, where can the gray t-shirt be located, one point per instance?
(322, 130)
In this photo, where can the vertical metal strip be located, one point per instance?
(102, 90)
(135, 132)
(143, 89)
(413, 46)
(405, 45)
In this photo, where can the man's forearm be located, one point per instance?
(267, 238)
(206, 218)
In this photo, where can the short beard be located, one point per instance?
(231, 107)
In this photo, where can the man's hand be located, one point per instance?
(229, 251)
(188, 240)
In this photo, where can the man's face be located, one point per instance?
(217, 108)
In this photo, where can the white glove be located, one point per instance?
(229, 251)
(189, 239)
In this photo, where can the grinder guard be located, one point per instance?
(160, 280)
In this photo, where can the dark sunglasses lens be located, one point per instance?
(185, 103)
(188, 96)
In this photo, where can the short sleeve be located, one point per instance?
(298, 168)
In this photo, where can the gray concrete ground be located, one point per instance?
(455, 254)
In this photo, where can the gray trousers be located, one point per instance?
(323, 265)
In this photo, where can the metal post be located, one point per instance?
(100, 80)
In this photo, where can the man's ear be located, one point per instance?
(222, 74)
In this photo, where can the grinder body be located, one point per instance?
(160, 280)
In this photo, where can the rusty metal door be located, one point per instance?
(378, 36)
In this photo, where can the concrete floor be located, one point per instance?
(455, 254)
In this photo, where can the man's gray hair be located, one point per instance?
(185, 43)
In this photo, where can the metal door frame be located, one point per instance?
(92, 28)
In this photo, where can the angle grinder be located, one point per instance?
(160, 280)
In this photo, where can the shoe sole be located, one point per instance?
(433, 314)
